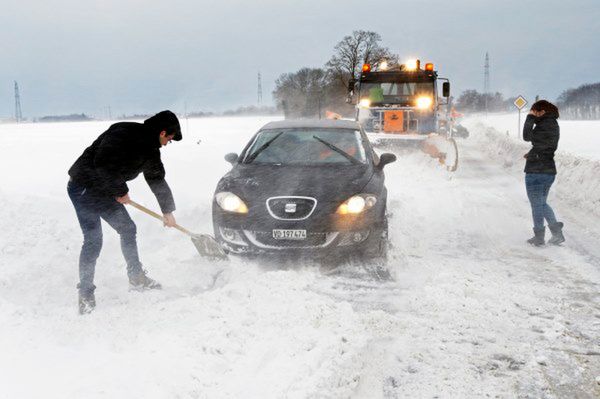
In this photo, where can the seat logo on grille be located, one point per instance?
(291, 207)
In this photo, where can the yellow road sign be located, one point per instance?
(520, 102)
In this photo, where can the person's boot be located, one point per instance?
(557, 234)
(538, 237)
(140, 282)
(87, 300)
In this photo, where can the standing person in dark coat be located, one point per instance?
(542, 130)
(98, 189)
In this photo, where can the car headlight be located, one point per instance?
(357, 204)
(424, 102)
(231, 203)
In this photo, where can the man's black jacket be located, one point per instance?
(120, 154)
(543, 132)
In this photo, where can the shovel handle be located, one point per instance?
(157, 216)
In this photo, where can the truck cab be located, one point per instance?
(400, 100)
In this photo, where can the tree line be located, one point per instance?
(308, 92)
(582, 102)
(474, 101)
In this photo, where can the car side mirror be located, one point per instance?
(232, 158)
(446, 89)
(386, 158)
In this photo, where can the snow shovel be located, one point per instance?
(205, 244)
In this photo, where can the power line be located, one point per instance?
(18, 112)
(486, 80)
(486, 74)
(259, 91)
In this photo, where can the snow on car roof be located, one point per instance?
(312, 123)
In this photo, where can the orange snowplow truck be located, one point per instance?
(400, 105)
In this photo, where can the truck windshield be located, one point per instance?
(305, 146)
(404, 93)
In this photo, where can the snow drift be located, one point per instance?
(577, 181)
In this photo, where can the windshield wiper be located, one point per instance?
(338, 150)
(260, 149)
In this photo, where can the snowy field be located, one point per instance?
(470, 311)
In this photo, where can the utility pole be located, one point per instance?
(486, 80)
(187, 121)
(259, 91)
(18, 112)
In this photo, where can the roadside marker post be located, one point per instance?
(520, 102)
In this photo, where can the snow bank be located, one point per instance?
(578, 138)
(577, 182)
(471, 312)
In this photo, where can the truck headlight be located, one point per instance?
(364, 103)
(424, 102)
(412, 65)
(357, 204)
(230, 202)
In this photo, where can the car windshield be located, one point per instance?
(403, 93)
(304, 146)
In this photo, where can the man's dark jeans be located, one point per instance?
(90, 208)
(538, 186)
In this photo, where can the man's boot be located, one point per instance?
(557, 235)
(87, 300)
(139, 281)
(538, 238)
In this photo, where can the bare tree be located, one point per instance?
(362, 47)
(309, 91)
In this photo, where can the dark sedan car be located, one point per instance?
(307, 186)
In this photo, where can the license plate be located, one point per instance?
(280, 234)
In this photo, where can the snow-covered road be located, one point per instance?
(469, 310)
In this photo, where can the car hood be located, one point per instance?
(330, 183)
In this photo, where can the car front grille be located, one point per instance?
(291, 208)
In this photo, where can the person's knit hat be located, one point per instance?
(165, 120)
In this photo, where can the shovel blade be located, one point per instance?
(208, 247)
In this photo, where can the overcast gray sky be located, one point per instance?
(143, 56)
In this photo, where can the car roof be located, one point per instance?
(312, 123)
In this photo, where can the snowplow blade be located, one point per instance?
(443, 148)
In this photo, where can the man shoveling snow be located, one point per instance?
(98, 189)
